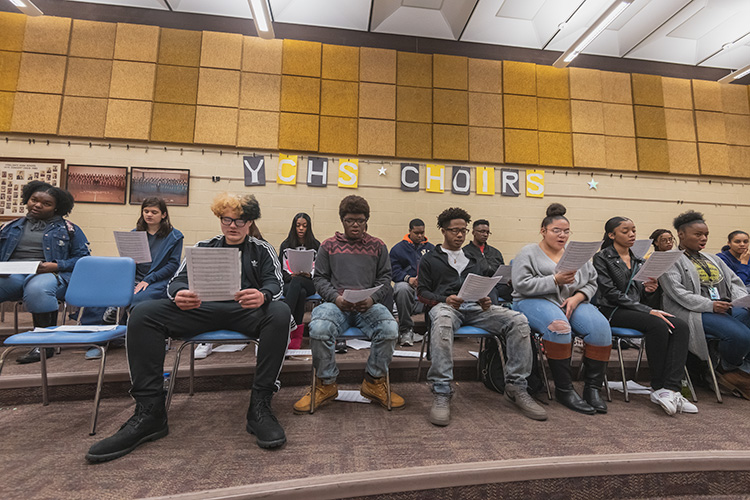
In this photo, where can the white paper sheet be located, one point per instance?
(406, 354)
(504, 273)
(229, 348)
(633, 387)
(474, 353)
(299, 352)
(351, 397)
(577, 253)
(742, 302)
(641, 247)
(19, 266)
(358, 344)
(213, 273)
(77, 328)
(477, 287)
(657, 264)
(300, 261)
(355, 296)
(133, 244)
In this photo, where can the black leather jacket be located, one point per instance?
(612, 280)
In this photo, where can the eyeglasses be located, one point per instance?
(227, 221)
(352, 222)
(557, 231)
(483, 231)
(456, 230)
(665, 240)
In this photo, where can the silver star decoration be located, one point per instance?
(593, 184)
(382, 170)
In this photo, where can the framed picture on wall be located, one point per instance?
(96, 184)
(15, 173)
(170, 184)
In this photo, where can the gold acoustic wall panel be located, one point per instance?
(91, 79)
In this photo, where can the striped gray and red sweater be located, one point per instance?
(353, 264)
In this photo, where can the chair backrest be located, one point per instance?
(102, 282)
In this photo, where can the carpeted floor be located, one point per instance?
(42, 450)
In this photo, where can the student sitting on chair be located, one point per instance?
(405, 256)
(43, 235)
(253, 312)
(352, 260)
(441, 275)
(488, 257)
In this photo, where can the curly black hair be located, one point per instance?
(64, 201)
(354, 204)
(449, 214)
(687, 219)
(250, 207)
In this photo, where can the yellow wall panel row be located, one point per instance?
(618, 120)
(414, 104)
(262, 56)
(683, 158)
(589, 151)
(450, 72)
(711, 127)
(554, 115)
(83, 116)
(587, 117)
(616, 88)
(707, 95)
(92, 39)
(10, 63)
(173, 123)
(485, 76)
(177, 84)
(377, 100)
(136, 42)
(519, 78)
(258, 129)
(35, 113)
(377, 65)
(414, 70)
(678, 93)
(485, 145)
(376, 137)
(714, 159)
(340, 63)
(338, 135)
(41, 73)
(734, 99)
(585, 84)
(552, 82)
(219, 87)
(339, 98)
(132, 80)
(221, 50)
(621, 153)
(520, 111)
(128, 119)
(6, 110)
(647, 90)
(555, 149)
(180, 47)
(413, 140)
(450, 142)
(216, 125)
(88, 77)
(450, 106)
(298, 132)
(12, 27)
(47, 35)
(522, 146)
(260, 91)
(485, 110)
(650, 121)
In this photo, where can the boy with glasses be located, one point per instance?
(352, 260)
(255, 311)
(441, 274)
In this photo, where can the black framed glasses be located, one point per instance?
(457, 230)
(352, 222)
(227, 221)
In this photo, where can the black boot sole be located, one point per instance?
(265, 444)
(27, 358)
(584, 411)
(117, 454)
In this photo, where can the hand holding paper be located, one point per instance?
(355, 296)
(477, 287)
(300, 261)
(19, 267)
(133, 244)
(213, 273)
(742, 302)
(657, 264)
(577, 253)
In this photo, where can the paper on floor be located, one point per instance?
(406, 354)
(351, 397)
(357, 344)
(474, 353)
(299, 352)
(633, 387)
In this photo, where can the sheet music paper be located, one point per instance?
(19, 266)
(133, 244)
(355, 296)
(641, 247)
(504, 273)
(300, 261)
(405, 354)
(77, 328)
(358, 344)
(577, 253)
(657, 264)
(742, 302)
(213, 273)
(351, 397)
(477, 287)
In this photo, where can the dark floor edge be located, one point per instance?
(383, 482)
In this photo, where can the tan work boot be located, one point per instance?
(323, 394)
(376, 391)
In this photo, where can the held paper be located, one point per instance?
(355, 296)
(300, 261)
(742, 302)
(504, 273)
(577, 253)
(657, 264)
(133, 244)
(19, 267)
(213, 273)
(477, 287)
(640, 247)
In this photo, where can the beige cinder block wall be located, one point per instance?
(651, 200)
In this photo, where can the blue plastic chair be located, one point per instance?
(466, 332)
(95, 282)
(348, 334)
(214, 337)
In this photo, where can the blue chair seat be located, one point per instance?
(65, 337)
(219, 335)
(352, 333)
(314, 296)
(472, 331)
(626, 333)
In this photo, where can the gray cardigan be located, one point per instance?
(533, 275)
(682, 297)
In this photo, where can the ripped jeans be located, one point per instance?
(499, 321)
(328, 322)
(549, 319)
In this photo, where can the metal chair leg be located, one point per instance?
(425, 340)
(313, 388)
(5, 354)
(609, 391)
(622, 371)
(694, 397)
(192, 368)
(173, 376)
(640, 357)
(544, 370)
(715, 382)
(45, 388)
(388, 387)
(99, 383)
(15, 316)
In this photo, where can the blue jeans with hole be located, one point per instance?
(733, 332)
(39, 292)
(586, 321)
(328, 322)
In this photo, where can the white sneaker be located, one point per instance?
(666, 399)
(203, 350)
(683, 404)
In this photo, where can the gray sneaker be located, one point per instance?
(521, 398)
(440, 414)
(406, 338)
(417, 338)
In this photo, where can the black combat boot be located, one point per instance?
(595, 371)
(564, 391)
(261, 421)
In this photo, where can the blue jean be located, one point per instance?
(586, 321)
(498, 321)
(328, 322)
(40, 292)
(733, 332)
